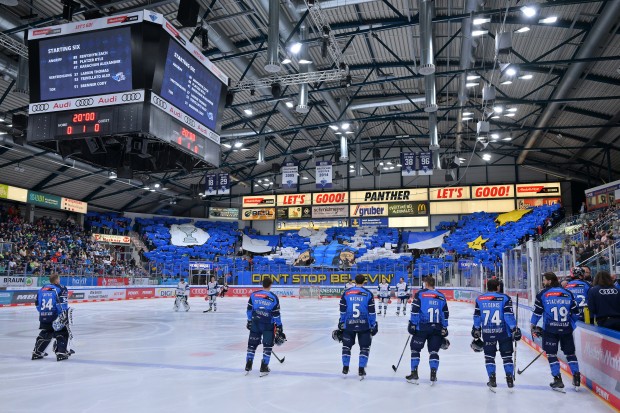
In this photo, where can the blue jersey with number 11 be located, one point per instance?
(429, 309)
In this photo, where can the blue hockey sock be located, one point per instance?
(433, 361)
(415, 359)
(554, 364)
(346, 359)
(490, 368)
(572, 363)
(509, 367)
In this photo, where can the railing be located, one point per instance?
(604, 260)
(80, 268)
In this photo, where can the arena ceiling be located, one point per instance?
(560, 111)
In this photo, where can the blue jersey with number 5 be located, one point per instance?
(493, 314)
(357, 309)
(429, 310)
(558, 309)
(51, 300)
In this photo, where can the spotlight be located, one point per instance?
(511, 71)
(296, 48)
(286, 61)
(276, 90)
(524, 29)
(486, 157)
(112, 175)
(528, 11)
(157, 185)
(238, 144)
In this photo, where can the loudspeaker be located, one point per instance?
(188, 13)
(125, 172)
(230, 97)
(20, 122)
(450, 175)
(95, 145)
(376, 153)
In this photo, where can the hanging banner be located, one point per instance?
(211, 185)
(407, 160)
(290, 173)
(323, 174)
(112, 239)
(425, 163)
(223, 186)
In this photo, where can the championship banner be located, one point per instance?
(223, 186)
(425, 164)
(407, 160)
(211, 185)
(290, 173)
(323, 174)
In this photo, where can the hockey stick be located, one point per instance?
(395, 367)
(531, 362)
(514, 361)
(281, 360)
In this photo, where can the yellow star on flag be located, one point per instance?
(477, 243)
(512, 216)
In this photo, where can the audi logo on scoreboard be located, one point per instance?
(39, 107)
(131, 97)
(159, 102)
(81, 103)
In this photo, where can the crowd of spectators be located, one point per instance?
(597, 234)
(48, 246)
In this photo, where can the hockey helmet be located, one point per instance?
(578, 272)
(280, 339)
(477, 345)
(337, 335)
(445, 344)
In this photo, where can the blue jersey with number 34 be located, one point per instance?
(357, 309)
(493, 314)
(429, 310)
(51, 301)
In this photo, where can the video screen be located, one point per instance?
(190, 86)
(93, 63)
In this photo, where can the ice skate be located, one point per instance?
(577, 381)
(207, 310)
(398, 313)
(379, 313)
(492, 383)
(264, 369)
(413, 377)
(37, 355)
(345, 370)
(557, 384)
(433, 376)
(510, 381)
(362, 373)
(248, 367)
(62, 356)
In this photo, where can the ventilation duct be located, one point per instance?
(432, 131)
(427, 56)
(262, 145)
(358, 161)
(436, 161)
(344, 149)
(303, 107)
(273, 61)
(430, 104)
(358, 104)
(21, 86)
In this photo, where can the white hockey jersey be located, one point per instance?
(401, 289)
(213, 288)
(384, 290)
(182, 289)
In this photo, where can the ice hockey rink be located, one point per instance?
(140, 356)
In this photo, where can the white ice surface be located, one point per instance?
(140, 356)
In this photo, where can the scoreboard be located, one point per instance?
(132, 75)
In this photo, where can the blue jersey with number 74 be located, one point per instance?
(493, 314)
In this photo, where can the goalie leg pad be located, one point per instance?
(43, 340)
(62, 339)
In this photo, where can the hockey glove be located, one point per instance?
(341, 326)
(374, 329)
(249, 325)
(411, 328)
(279, 330)
(476, 332)
(516, 334)
(444, 332)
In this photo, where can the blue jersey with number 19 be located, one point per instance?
(493, 314)
(558, 309)
(357, 309)
(429, 310)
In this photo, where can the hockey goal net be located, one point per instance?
(310, 291)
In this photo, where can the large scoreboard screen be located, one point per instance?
(188, 85)
(85, 64)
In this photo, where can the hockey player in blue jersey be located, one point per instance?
(53, 307)
(579, 288)
(494, 323)
(264, 323)
(357, 318)
(559, 312)
(428, 324)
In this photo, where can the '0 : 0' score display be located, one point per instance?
(94, 121)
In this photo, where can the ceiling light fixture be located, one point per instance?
(506, 82)
(227, 145)
(345, 125)
(477, 33)
(511, 110)
(526, 77)
(473, 77)
(238, 144)
(486, 157)
(510, 115)
(248, 112)
(481, 20)
(304, 61)
(112, 175)
(495, 136)
(296, 48)
(468, 113)
(289, 104)
(511, 71)
(333, 127)
(549, 20)
(498, 109)
(472, 84)
(286, 61)
(528, 11)
(523, 29)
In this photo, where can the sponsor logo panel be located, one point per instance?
(165, 292)
(18, 281)
(140, 293)
(493, 191)
(24, 297)
(111, 99)
(390, 195)
(296, 199)
(258, 214)
(6, 297)
(450, 193)
(407, 209)
(335, 211)
(259, 201)
(112, 281)
(376, 210)
(542, 189)
(329, 198)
